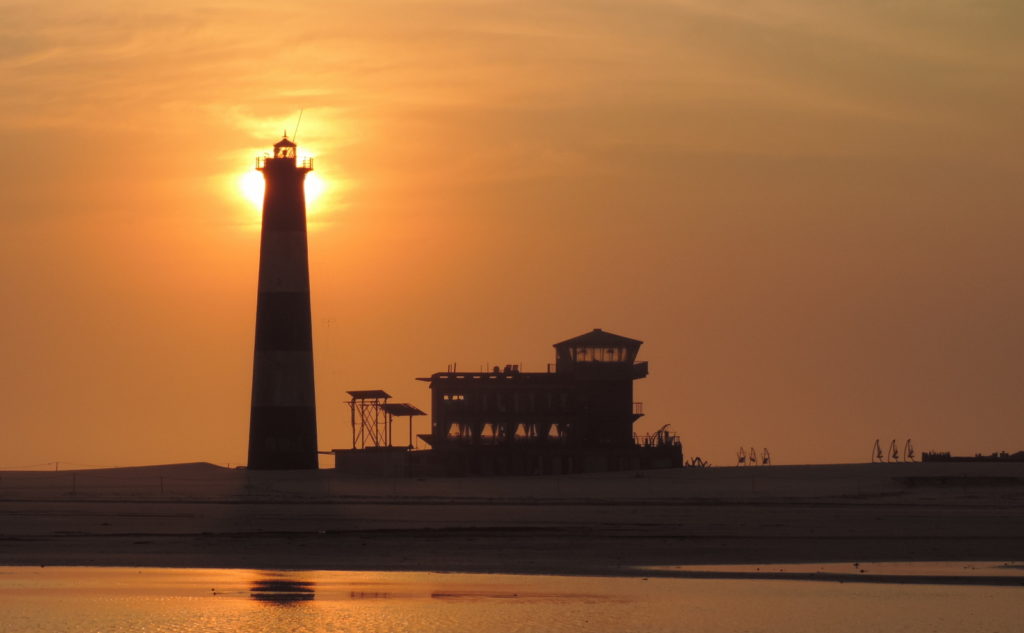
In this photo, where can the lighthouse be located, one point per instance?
(282, 423)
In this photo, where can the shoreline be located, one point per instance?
(709, 573)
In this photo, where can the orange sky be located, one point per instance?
(810, 212)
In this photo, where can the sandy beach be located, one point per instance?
(200, 515)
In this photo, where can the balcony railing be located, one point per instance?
(305, 163)
(638, 408)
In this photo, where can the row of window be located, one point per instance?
(528, 402)
(599, 354)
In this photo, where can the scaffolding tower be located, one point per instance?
(373, 418)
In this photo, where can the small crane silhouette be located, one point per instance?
(877, 456)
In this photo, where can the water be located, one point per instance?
(92, 600)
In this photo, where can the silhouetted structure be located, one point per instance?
(893, 453)
(282, 425)
(373, 450)
(1001, 456)
(576, 417)
(373, 418)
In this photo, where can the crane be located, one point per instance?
(876, 453)
(894, 452)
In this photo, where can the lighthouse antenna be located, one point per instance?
(296, 132)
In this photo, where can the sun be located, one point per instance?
(314, 187)
(251, 185)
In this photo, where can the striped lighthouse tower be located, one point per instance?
(282, 425)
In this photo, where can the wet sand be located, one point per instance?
(199, 515)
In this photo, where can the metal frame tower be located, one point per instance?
(373, 418)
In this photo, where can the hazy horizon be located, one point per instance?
(809, 213)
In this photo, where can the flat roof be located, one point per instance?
(490, 376)
(401, 409)
(368, 394)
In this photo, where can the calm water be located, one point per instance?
(80, 600)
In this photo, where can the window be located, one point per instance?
(599, 354)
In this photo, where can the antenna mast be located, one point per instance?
(296, 132)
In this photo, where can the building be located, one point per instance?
(282, 423)
(577, 416)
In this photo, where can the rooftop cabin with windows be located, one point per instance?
(598, 354)
(577, 416)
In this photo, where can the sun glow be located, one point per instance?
(314, 187)
(251, 185)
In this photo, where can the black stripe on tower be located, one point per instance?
(283, 321)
